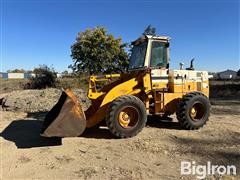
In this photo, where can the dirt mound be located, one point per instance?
(224, 91)
(37, 100)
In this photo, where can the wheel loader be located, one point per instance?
(127, 99)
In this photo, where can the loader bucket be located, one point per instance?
(65, 119)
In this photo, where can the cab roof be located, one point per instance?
(153, 37)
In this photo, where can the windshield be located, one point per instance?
(138, 56)
(158, 54)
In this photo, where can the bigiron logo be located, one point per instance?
(201, 171)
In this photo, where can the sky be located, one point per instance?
(42, 32)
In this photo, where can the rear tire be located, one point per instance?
(193, 111)
(126, 116)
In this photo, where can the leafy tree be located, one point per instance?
(29, 71)
(150, 30)
(16, 71)
(95, 51)
(238, 73)
(65, 72)
(44, 77)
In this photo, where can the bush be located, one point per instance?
(45, 77)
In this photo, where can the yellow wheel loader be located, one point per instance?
(148, 88)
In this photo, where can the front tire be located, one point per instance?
(126, 116)
(193, 111)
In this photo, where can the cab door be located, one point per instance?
(159, 64)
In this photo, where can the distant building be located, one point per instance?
(59, 75)
(213, 75)
(228, 74)
(4, 75)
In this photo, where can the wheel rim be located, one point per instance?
(197, 111)
(128, 117)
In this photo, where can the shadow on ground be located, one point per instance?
(163, 123)
(102, 132)
(37, 115)
(98, 133)
(25, 133)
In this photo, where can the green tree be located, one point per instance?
(44, 77)
(16, 71)
(29, 71)
(95, 51)
(65, 72)
(238, 73)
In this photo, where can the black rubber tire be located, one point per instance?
(185, 106)
(113, 112)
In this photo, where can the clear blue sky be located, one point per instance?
(41, 32)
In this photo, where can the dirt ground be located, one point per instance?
(11, 85)
(155, 153)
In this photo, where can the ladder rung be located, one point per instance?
(159, 101)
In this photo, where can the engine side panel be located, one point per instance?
(168, 87)
(185, 81)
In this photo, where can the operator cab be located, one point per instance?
(150, 52)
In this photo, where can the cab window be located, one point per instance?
(158, 54)
(138, 56)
